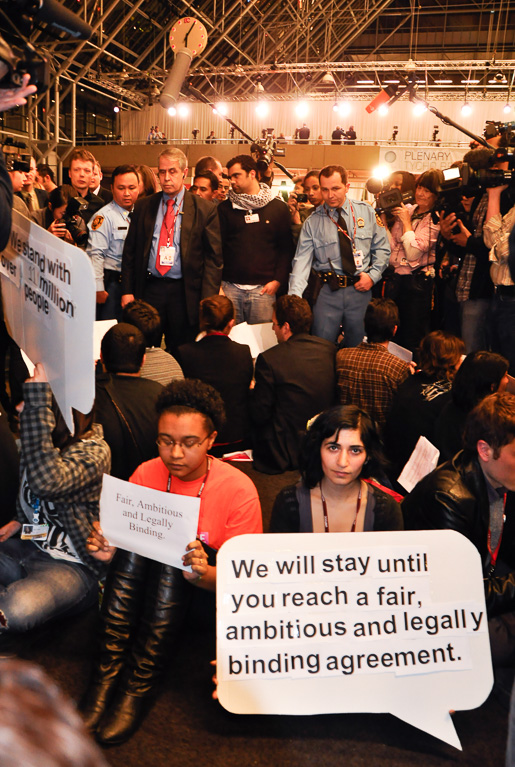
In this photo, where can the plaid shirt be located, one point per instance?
(368, 376)
(71, 479)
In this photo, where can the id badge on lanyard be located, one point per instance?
(34, 531)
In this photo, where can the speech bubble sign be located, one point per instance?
(48, 291)
(362, 622)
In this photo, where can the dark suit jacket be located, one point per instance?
(105, 194)
(228, 367)
(295, 380)
(41, 196)
(201, 249)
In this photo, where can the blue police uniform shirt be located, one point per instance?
(175, 273)
(107, 232)
(319, 245)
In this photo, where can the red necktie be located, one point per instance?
(166, 236)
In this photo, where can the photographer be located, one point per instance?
(305, 197)
(465, 266)
(413, 240)
(61, 220)
(496, 232)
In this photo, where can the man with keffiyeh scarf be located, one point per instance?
(257, 244)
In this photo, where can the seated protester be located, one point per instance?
(339, 455)
(144, 605)
(474, 495)
(368, 375)
(225, 365)
(480, 374)
(60, 482)
(159, 365)
(54, 217)
(420, 399)
(295, 380)
(125, 402)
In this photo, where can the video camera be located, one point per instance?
(387, 199)
(19, 57)
(497, 128)
(266, 149)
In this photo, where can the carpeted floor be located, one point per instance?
(186, 728)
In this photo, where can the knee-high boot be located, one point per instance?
(121, 611)
(166, 601)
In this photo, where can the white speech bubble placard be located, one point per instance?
(48, 291)
(150, 522)
(353, 622)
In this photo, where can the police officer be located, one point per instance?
(107, 232)
(347, 246)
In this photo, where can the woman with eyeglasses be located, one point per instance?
(145, 601)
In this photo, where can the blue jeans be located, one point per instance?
(473, 319)
(112, 308)
(34, 587)
(345, 307)
(502, 328)
(249, 305)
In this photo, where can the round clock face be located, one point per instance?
(188, 33)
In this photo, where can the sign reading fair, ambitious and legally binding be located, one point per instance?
(150, 522)
(364, 622)
(48, 289)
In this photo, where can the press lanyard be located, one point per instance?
(169, 483)
(326, 516)
(36, 508)
(341, 229)
(494, 554)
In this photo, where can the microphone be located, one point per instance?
(52, 12)
(175, 79)
(374, 185)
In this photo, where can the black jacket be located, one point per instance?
(455, 497)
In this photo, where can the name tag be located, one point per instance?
(34, 532)
(252, 218)
(358, 259)
(167, 255)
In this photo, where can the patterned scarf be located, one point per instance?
(252, 201)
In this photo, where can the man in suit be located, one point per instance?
(95, 184)
(294, 381)
(172, 256)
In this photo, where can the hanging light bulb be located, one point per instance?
(466, 109)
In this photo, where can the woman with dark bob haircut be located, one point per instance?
(340, 454)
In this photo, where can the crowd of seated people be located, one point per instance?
(347, 419)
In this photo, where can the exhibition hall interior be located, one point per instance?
(257, 268)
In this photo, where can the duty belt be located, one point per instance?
(343, 280)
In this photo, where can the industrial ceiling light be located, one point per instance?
(419, 109)
(383, 110)
(328, 79)
(172, 111)
(262, 109)
(183, 110)
(507, 108)
(220, 109)
(466, 109)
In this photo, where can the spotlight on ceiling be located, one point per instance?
(466, 109)
(507, 108)
(419, 109)
(262, 109)
(116, 108)
(383, 110)
(183, 110)
(172, 111)
(220, 109)
(301, 109)
(259, 87)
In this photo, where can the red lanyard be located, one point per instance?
(494, 554)
(341, 229)
(326, 517)
(169, 484)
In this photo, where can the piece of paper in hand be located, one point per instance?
(400, 352)
(152, 523)
(422, 461)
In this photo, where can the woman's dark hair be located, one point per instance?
(330, 423)
(60, 196)
(189, 395)
(440, 354)
(430, 179)
(215, 313)
(148, 178)
(311, 174)
(479, 374)
(408, 180)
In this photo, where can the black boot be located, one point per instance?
(122, 606)
(165, 605)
